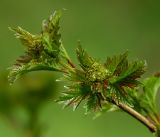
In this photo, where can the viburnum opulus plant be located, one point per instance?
(109, 86)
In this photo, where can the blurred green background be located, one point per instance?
(105, 28)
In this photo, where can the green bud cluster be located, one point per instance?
(97, 72)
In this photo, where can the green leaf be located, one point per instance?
(151, 86)
(123, 75)
(27, 39)
(84, 59)
(17, 71)
(51, 36)
(74, 95)
(129, 76)
(93, 103)
(117, 64)
(124, 72)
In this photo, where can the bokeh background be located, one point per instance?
(105, 28)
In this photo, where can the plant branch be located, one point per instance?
(137, 116)
(94, 82)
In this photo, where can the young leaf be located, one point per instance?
(29, 40)
(74, 95)
(148, 98)
(44, 51)
(130, 74)
(117, 64)
(84, 59)
(123, 75)
(18, 71)
(51, 37)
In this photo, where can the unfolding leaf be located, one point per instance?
(123, 75)
(74, 95)
(18, 71)
(29, 40)
(117, 64)
(43, 49)
(84, 59)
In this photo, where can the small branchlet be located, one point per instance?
(103, 87)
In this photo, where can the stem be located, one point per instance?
(137, 116)
(71, 64)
